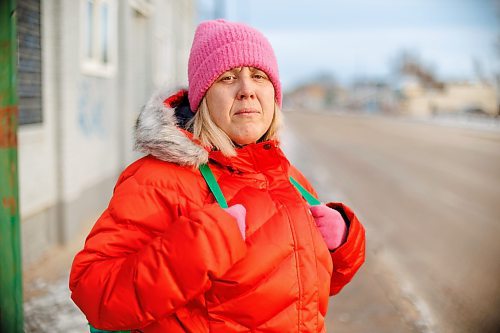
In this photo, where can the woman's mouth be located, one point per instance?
(244, 112)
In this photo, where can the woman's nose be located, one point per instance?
(246, 89)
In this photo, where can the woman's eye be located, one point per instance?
(228, 78)
(259, 76)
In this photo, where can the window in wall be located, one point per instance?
(89, 10)
(99, 37)
(104, 34)
(29, 70)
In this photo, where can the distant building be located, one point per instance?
(320, 93)
(310, 96)
(372, 97)
(366, 97)
(86, 67)
(409, 95)
(452, 97)
(422, 94)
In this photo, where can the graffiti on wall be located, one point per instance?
(91, 108)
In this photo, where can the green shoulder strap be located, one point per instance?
(213, 185)
(305, 194)
(217, 192)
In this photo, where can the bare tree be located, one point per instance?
(408, 63)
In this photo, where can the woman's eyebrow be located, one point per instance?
(231, 71)
(253, 70)
(236, 70)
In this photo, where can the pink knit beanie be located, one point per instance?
(219, 46)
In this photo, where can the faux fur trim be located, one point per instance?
(157, 133)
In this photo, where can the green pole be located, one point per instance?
(11, 294)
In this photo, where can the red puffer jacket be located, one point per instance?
(164, 257)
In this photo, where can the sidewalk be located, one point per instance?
(376, 302)
(52, 310)
(47, 303)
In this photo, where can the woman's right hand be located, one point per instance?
(239, 212)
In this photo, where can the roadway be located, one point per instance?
(429, 196)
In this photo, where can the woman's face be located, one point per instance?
(241, 103)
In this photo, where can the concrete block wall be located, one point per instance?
(38, 180)
(70, 162)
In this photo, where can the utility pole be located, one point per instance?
(11, 294)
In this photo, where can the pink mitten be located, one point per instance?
(331, 225)
(239, 213)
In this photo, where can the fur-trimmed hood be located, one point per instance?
(161, 131)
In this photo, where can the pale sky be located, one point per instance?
(358, 38)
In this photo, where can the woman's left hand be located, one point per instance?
(239, 212)
(331, 225)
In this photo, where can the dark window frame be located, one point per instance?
(29, 67)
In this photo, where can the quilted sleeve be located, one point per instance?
(142, 261)
(349, 257)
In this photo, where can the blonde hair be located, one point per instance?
(212, 136)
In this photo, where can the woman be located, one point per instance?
(165, 256)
